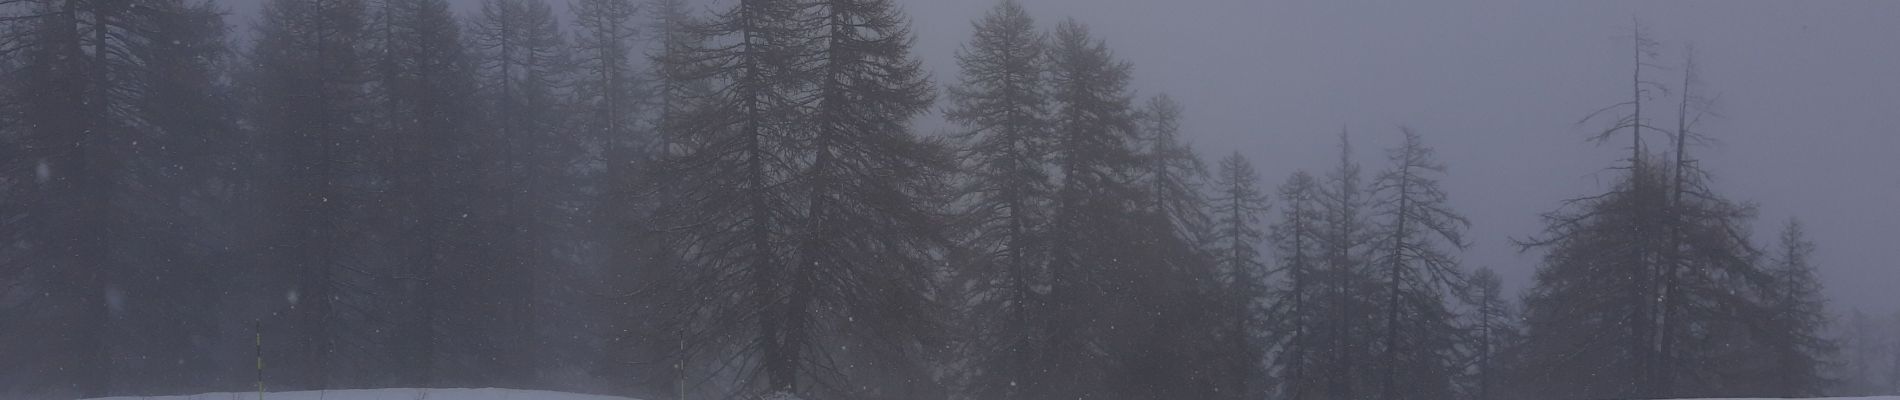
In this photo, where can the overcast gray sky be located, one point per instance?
(1809, 90)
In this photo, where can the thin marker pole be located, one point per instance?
(258, 327)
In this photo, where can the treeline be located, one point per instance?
(663, 202)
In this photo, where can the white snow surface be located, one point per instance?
(513, 394)
(386, 394)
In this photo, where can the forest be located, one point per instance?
(732, 200)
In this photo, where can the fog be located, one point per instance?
(571, 226)
(1809, 97)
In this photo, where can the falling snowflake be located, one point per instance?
(43, 171)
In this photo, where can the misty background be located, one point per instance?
(595, 263)
(1809, 98)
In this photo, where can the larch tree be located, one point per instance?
(1001, 105)
(72, 132)
(729, 215)
(521, 66)
(422, 85)
(1419, 276)
(1091, 264)
(1238, 205)
(100, 203)
(610, 104)
(1297, 298)
(309, 78)
(860, 316)
(1177, 283)
(1797, 316)
(1491, 330)
(1343, 278)
(185, 232)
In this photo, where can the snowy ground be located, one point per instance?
(387, 394)
(500, 394)
(1821, 398)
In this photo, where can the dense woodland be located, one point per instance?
(673, 200)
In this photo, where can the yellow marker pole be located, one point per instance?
(258, 326)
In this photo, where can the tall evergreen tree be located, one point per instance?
(73, 131)
(1416, 353)
(1344, 280)
(1797, 315)
(188, 209)
(422, 85)
(1298, 298)
(728, 215)
(521, 65)
(1238, 205)
(310, 77)
(1091, 266)
(610, 102)
(104, 180)
(1177, 283)
(860, 313)
(1001, 104)
(1491, 330)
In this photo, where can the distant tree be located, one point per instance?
(184, 234)
(1418, 274)
(1092, 264)
(1491, 330)
(1349, 311)
(859, 315)
(1864, 343)
(422, 88)
(309, 80)
(613, 149)
(1237, 206)
(1798, 314)
(730, 211)
(105, 189)
(1178, 283)
(73, 89)
(609, 88)
(1001, 105)
(1295, 307)
(521, 65)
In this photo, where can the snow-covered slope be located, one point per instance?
(506, 394)
(1822, 398)
(387, 394)
(1819, 398)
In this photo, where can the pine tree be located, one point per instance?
(728, 215)
(1001, 104)
(421, 86)
(1091, 266)
(103, 185)
(71, 89)
(1583, 297)
(1343, 278)
(607, 84)
(1797, 315)
(310, 80)
(1418, 276)
(1175, 282)
(1491, 331)
(521, 67)
(610, 102)
(859, 316)
(1295, 311)
(1238, 205)
(184, 235)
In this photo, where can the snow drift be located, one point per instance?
(386, 394)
